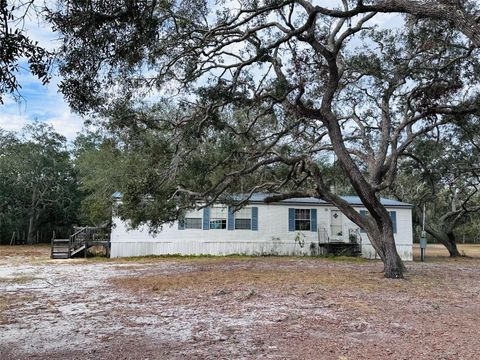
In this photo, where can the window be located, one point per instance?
(243, 219)
(218, 218)
(302, 219)
(243, 224)
(218, 224)
(393, 217)
(191, 220)
(193, 223)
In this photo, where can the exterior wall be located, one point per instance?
(271, 238)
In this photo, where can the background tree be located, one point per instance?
(265, 90)
(40, 190)
(98, 162)
(9, 204)
(442, 172)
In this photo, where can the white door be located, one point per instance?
(336, 224)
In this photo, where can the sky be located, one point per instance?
(45, 103)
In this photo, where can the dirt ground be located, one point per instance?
(237, 308)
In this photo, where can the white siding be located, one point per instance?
(272, 237)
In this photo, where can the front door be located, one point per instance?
(336, 224)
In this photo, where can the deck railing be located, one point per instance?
(85, 234)
(354, 236)
(323, 237)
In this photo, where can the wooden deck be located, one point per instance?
(339, 248)
(79, 242)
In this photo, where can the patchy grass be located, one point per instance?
(440, 252)
(238, 307)
(206, 257)
(8, 303)
(31, 251)
(18, 279)
(279, 277)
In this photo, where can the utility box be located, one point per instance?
(423, 245)
(423, 240)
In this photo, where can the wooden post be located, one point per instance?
(51, 245)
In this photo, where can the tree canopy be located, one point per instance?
(38, 185)
(17, 49)
(264, 90)
(441, 173)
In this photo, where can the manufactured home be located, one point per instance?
(300, 226)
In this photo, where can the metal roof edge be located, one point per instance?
(305, 203)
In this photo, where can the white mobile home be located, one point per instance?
(288, 227)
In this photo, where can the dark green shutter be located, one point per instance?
(231, 219)
(291, 219)
(254, 218)
(313, 220)
(363, 213)
(393, 216)
(206, 218)
(181, 223)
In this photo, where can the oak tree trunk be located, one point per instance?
(380, 230)
(446, 237)
(451, 245)
(31, 221)
(31, 230)
(382, 239)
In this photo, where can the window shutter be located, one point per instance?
(313, 220)
(393, 216)
(206, 218)
(231, 219)
(181, 223)
(291, 219)
(255, 218)
(363, 213)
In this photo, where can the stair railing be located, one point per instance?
(323, 237)
(355, 237)
(73, 238)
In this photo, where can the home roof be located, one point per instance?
(352, 200)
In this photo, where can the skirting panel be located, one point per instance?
(220, 248)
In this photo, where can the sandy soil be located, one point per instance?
(235, 308)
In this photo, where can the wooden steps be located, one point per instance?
(78, 250)
(60, 249)
(79, 242)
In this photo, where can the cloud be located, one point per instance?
(64, 122)
(12, 122)
(39, 102)
(42, 103)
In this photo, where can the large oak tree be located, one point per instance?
(268, 88)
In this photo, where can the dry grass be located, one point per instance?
(240, 307)
(20, 254)
(9, 302)
(439, 251)
(32, 251)
(276, 279)
(18, 279)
